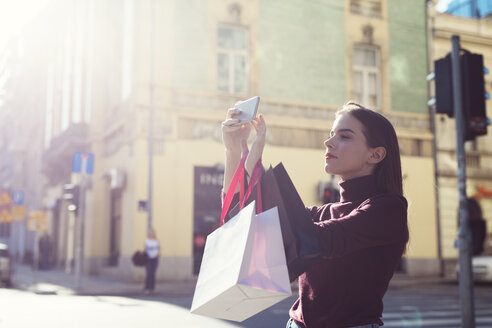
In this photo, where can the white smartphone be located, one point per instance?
(248, 110)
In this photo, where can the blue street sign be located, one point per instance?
(83, 163)
(18, 197)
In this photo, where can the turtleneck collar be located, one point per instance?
(358, 189)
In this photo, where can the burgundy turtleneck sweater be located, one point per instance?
(364, 237)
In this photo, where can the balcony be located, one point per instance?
(57, 159)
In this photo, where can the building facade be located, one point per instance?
(22, 123)
(179, 65)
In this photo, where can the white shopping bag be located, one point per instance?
(243, 269)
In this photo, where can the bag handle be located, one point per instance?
(255, 180)
(237, 178)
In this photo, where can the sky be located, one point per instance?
(14, 14)
(442, 5)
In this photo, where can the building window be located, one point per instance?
(367, 77)
(371, 8)
(232, 60)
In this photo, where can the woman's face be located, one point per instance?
(347, 153)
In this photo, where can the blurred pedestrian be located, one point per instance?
(152, 249)
(44, 251)
(478, 226)
(364, 234)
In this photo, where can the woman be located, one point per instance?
(364, 235)
(152, 249)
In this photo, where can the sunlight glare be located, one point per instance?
(442, 6)
(15, 14)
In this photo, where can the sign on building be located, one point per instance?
(83, 163)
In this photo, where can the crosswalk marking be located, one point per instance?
(433, 322)
(436, 313)
(437, 307)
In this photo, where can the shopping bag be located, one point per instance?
(243, 269)
(302, 243)
(140, 258)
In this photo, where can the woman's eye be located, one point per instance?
(345, 137)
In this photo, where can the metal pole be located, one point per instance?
(151, 118)
(432, 121)
(36, 255)
(80, 226)
(464, 234)
(70, 230)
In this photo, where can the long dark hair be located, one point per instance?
(379, 133)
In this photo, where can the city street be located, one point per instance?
(132, 131)
(435, 306)
(407, 304)
(21, 309)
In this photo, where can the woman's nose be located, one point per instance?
(329, 143)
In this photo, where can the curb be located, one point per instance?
(56, 282)
(401, 283)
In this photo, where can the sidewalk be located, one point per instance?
(168, 306)
(402, 280)
(56, 281)
(59, 282)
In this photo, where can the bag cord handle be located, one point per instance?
(255, 180)
(238, 178)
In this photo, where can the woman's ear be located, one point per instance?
(377, 155)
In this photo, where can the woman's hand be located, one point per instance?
(235, 138)
(234, 135)
(260, 126)
(258, 144)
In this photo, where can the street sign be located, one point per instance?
(18, 197)
(31, 224)
(5, 199)
(37, 221)
(5, 206)
(18, 213)
(83, 163)
(5, 216)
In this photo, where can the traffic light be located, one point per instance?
(473, 92)
(71, 193)
(474, 95)
(331, 195)
(444, 86)
(328, 193)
